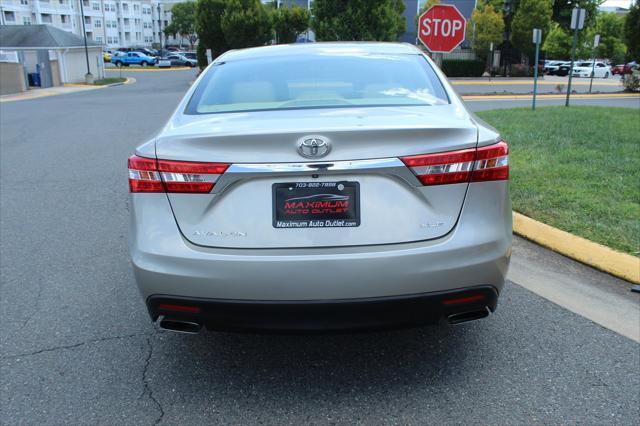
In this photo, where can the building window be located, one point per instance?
(97, 23)
(99, 39)
(24, 2)
(95, 6)
(46, 18)
(63, 19)
(9, 17)
(87, 20)
(61, 1)
(26, 20)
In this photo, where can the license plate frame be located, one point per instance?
(324, 202)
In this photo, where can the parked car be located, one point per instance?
(106, 56)
(563, 69)
(145, 50)
(585, 69)
(272, 202)
(552, 67)
(180, 60)
(190, 55)
(133, 58)
(623, 69)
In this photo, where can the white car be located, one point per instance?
(584, 69)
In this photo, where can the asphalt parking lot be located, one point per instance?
(78, 346)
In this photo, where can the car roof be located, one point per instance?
(321, 48)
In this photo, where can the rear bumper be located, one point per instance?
(322, 315)
(475, 253)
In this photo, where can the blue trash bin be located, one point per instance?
(34, 79)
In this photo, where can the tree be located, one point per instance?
(529, 15)
(246, 23)
(289, 22)
(632, 31)
(183, 21)
(230, 24)
(380, 20)
(487, 27)
(209, 28)
(562, 11)
(611, 28)
(557, 43)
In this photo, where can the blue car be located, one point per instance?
(133, 58)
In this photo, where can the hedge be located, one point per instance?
(463, 68)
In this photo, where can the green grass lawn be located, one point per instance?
(109, 80)
(577, 169)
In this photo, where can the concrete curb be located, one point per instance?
(527, 96)
(129, 80)
(613, 262)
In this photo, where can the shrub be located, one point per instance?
(631, 82)
(463, 68)
(518, 70)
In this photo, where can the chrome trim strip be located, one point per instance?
(314, 166)
(383, 166)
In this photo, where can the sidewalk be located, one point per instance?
(35, 93)
(50, 91)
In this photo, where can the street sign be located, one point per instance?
(577, 18)
(442, 28)
(577, 23)
(596, 40)
(537, 36)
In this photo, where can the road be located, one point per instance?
(77, 346)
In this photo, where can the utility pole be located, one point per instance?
(577, 23)
(88, 77)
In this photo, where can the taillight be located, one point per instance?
(487, 163)
(149, 175)
(492, 163)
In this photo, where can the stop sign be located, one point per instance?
(442, 28)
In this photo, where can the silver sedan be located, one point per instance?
(324, 186)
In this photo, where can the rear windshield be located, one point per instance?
(317, 81)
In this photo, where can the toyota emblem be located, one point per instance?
(313, 147)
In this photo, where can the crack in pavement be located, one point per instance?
(147, 387)
(75, 345)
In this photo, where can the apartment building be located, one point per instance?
(113, 23)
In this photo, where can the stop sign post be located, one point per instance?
(442, 28)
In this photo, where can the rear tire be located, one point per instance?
(606, 75)
(143, 64)
(118, 63)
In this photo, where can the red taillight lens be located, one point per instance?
(143, 175)
(179, 308)
(149, 175)
(487, 163)
(492, 163)
(442, 168)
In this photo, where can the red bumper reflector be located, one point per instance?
(179, 308)
(463, 300)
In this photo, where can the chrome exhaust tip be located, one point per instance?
(179, 326)
(463, 317)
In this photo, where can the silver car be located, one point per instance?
(324, 186)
